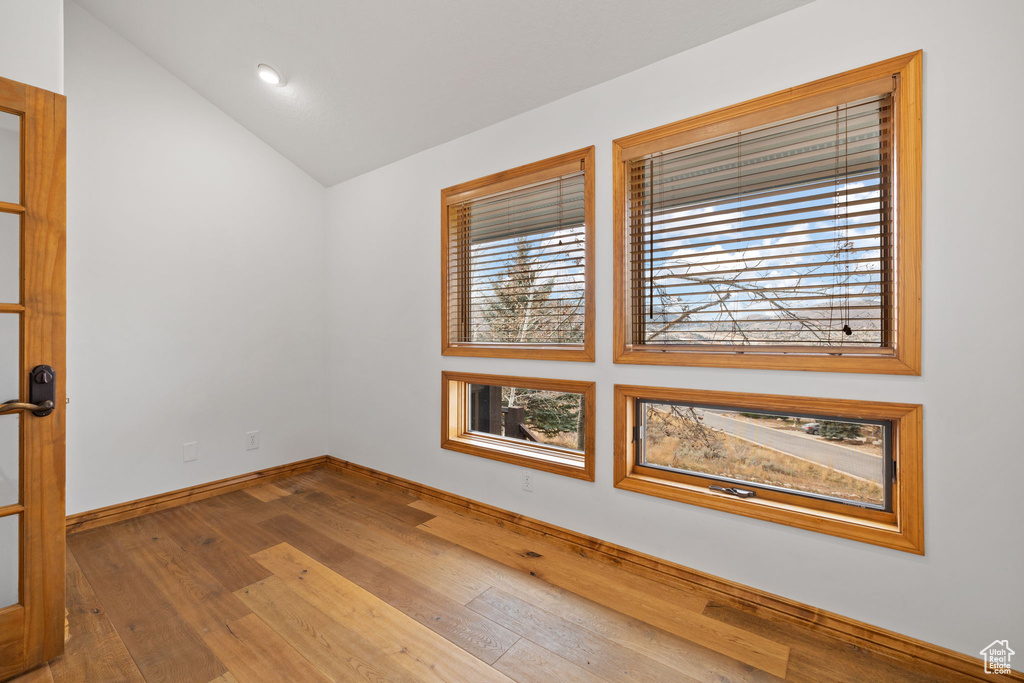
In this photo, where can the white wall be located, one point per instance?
(195, 284)
(385, 361)
(32, 42)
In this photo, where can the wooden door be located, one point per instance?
(32, 300)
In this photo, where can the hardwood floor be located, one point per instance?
(322, 577)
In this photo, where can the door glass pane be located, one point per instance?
(10, 556)
(10, 258)
(8, 356)
(10, 158)
(8, 423)
(8, 460)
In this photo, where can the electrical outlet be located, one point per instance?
(252, 441)
(190, 451)
(528, 481)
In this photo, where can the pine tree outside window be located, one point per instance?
(517, 265)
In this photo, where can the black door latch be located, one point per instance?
(42, 387)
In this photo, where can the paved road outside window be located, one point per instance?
(842, 458)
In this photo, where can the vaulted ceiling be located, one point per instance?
(373, 81)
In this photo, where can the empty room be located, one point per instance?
(511, 340)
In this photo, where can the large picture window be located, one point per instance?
(517, 262)
(847, 468)
(779, 233)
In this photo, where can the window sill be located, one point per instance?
(545, 458)
(884, 534)
(883, 361)
(567, 352)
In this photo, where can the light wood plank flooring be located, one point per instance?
(325, 577)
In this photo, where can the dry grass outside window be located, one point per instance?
(678, 441)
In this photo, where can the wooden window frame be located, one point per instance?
(536, 172)
(901, 529)
(903, 357)
(455, 434)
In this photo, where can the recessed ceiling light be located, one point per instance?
(269, 74)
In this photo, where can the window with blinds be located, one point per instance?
(779, 236)
(773, 236)
(516, 261)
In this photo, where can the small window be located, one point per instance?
(847, 468)
(517, 258)
(544, 424)
(779, 233)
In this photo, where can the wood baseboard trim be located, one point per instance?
(902, 648)
(766, 605)
(161, 501)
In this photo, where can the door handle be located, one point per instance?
(42, 392)
(41, 410)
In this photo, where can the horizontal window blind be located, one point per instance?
(777, 236)
(516, 265)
